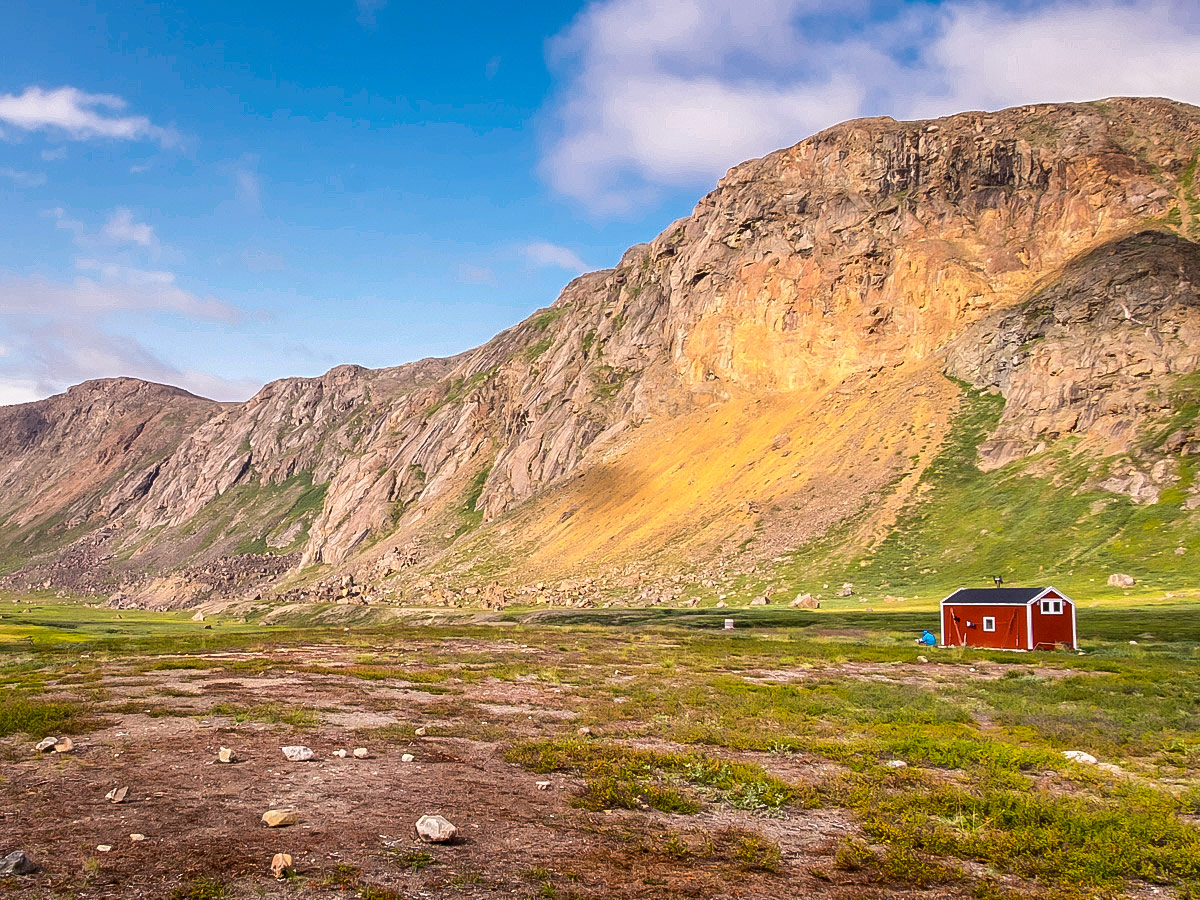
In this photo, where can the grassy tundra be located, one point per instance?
(685, 761)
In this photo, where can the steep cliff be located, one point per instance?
(746, 383)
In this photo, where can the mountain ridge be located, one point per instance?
(819, 290)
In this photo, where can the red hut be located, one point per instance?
(1004, 618)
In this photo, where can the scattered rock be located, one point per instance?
(117, 795)
(407, 757)
(435, 830)
(340, 754)
(17, 863)
(361, 753)
(1080, 756)
(805, 601)
(922, 659)
(281, 865)
(198, 617)
(1122, 581)
(760, 601)
(45, 744)
(846, 590)
(66, 745)
(896, 764)
(278, 818)
(1133, 643)
(137, 837)
(420, 732)
(721, 604)
(226, 755)
(104, 848)
(297, 753)
(584, 732)
(543, 785)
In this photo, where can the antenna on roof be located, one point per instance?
(999, 579)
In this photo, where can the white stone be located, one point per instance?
(226, 755)
(361, 752)
(896, 764)
(66, 745)
(104, 848)
(297, 753)
(407, 757)
(340, 754)
(543, 785)
(137, 837)
(435, 830)
(1080, 756)
(46, 744)
(117, 795)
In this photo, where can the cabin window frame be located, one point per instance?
(1051, 607)
(989, 623)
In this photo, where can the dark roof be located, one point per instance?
(1001, 596)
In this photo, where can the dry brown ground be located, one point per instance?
(201, 819)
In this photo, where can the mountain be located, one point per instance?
(854, 352)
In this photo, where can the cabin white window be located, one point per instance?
(989, 623)
(1052, 607)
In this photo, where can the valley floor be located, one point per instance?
(802, 754)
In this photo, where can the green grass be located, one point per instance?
(1017, 522)
(20, 713)
(620, 777)
(270, 713)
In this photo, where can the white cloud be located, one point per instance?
(78, 115)
(117, 288)
(547, 255)
(122, 229)
(658, 93)
(24, 179)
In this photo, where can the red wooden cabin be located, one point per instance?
(1003, 618)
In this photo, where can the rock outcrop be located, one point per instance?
(780, 349)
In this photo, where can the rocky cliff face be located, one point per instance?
(755, 374)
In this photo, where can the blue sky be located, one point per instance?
(217, 194)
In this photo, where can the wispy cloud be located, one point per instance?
(24, 179)
(122, 229)
(368, 10)
(75, 114)
(547, 255)
(662, 93)
(469, 274)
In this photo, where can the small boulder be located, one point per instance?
(66, 745)
(760, 601)
(104, 848)
(846, 590)
(45, 745)
(420, 732)
(721, 604)
(17, 863)
(281, 865)
(279, 818)
(435, 830)
(361, 753)
(340, 754)
(1080, 756)
(1117, 579)
(297, 753)
(896, 764)
(226, 755)
(198, 617)
(543, 785)
(805, 601)
(136, 838)
(117, 794)
(407, 757)
(584, 732)
(922, 659)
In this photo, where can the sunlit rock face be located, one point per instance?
(782, 347)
